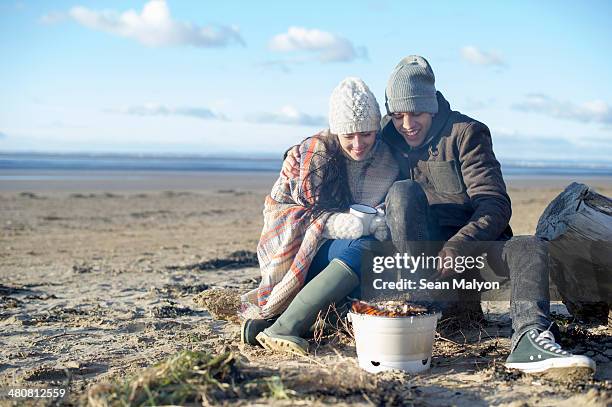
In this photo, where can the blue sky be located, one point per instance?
(231, 77)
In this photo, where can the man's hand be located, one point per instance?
(291, 165)
(448, 251)
(378, 226)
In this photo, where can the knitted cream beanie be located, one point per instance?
(353, 108)
(411, 87)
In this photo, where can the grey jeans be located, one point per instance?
(522, 259)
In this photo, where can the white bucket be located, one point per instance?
(386, 343)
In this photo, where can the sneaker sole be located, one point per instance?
(280, 345)
(573, 363)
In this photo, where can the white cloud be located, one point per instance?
(596, 111)
(328, 47)
(516, 145)
(153, 109)
(479, 57)
(291, 116)
(155, 27)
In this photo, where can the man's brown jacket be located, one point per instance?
(459, 173)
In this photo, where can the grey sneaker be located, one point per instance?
(538, 352)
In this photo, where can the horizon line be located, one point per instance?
(259, 156)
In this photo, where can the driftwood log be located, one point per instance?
(578, 225)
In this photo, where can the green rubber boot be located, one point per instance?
(331, 285)
(250, 328)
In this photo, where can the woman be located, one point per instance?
(310, 247)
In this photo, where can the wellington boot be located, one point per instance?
(330, 286)
(251, 327)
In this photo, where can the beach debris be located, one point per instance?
(51, 218)
(170, 311)
(6, 290)
(92, 195)
(9, 302)
(236, 260)
(233, 192)
(8, 293)
(48, 374)
(150, 214)
(30, 195)
(193, 288)
(80, 268)
(388, 308)
(187, 377)
(221, 303)
(201, 378)
(176, 194)
(16, 320)
(499, 372)
(183, 289)
(82, 196)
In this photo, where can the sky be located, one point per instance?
(252, 78)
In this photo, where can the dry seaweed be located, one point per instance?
(235, 260)
(187, 377)
(191, 378)
(221, 303)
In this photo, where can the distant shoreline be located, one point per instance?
(141, 180)
(194, 163)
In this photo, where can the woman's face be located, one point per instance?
(357, 145)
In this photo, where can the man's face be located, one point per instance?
(412, 126)
(357, 145)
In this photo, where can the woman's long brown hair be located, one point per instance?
(330, 190)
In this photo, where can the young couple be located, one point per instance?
(433, 175)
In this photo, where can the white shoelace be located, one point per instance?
(546, 340)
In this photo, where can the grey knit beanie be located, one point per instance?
(353, 108)
(411, 87)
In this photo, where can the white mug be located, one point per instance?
(365, 213)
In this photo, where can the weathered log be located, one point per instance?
(578, 225)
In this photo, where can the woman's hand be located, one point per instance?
(291, 165)
(343, 226)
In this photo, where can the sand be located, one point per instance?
(98, 280)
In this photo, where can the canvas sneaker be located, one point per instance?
(538, 351)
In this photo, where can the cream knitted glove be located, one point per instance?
(379, 227)
(343, 226)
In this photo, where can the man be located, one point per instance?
(453, 191)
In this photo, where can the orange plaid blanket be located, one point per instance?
(290, 237)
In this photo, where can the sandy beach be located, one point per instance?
(98, 278)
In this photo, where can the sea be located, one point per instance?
(42, 166)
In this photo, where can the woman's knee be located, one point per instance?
(351, 255)
(364, 242)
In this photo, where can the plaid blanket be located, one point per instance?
(291, 236)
